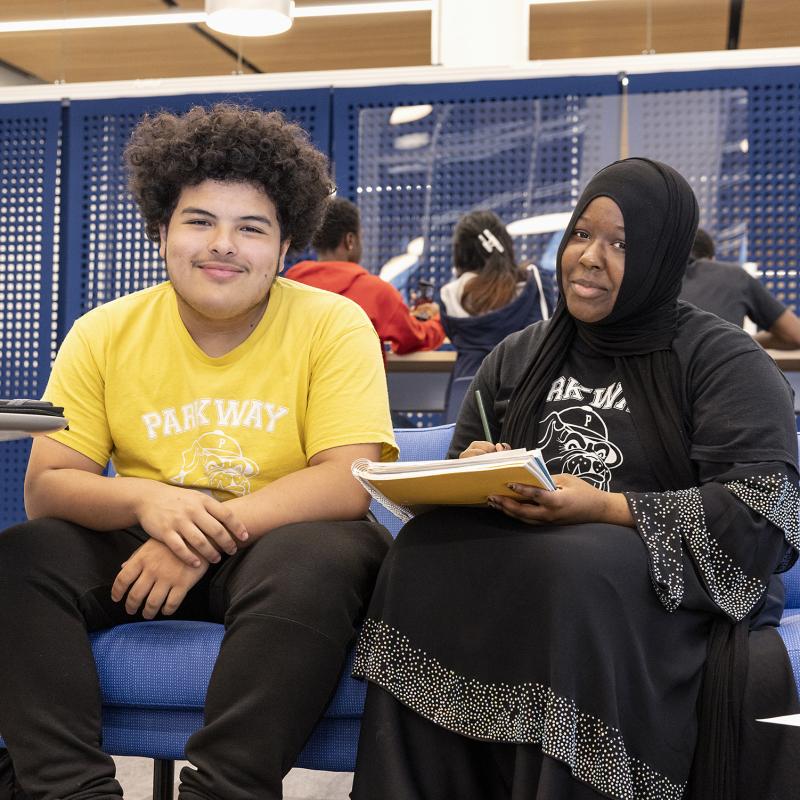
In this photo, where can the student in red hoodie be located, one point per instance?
(338, 246)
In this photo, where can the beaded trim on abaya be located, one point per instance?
(528, 713)
(665, 520)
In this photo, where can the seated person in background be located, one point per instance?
(231, 404)
(492, 296)
(555, 645)
(338, 245)
(731, 293)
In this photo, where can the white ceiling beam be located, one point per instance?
(550, 68)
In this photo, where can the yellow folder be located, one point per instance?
(455, 488)
(471, 481)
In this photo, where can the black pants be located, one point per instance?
(289, 604)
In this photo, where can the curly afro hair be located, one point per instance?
(168, 152)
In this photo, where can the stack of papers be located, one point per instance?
(20, 418)
(403, 485)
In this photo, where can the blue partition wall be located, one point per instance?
(29, 142)
(750, 195)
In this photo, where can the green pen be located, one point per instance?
(484, 420)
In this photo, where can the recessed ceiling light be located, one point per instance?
(542, 223)
(403, 114)
(412, 141)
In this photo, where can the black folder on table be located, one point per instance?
(36, 407)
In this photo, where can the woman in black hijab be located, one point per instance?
(554, 646)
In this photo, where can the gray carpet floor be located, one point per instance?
(136, 777)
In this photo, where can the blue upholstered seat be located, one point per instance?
(153, 678)
(790, 622)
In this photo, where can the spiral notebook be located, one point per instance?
(404, 487)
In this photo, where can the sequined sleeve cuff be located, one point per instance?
(667, 520)
(662, 519)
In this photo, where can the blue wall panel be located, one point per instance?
(765, 199)
(29, 143)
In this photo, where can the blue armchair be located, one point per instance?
(154, 675)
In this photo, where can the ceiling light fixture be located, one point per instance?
(117, 21)
(250, 17)
(196, 17)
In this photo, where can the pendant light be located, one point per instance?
(250, 17)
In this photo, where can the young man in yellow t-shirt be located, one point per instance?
(231, 404)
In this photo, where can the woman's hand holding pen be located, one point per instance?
(574, 501)
(481, 448)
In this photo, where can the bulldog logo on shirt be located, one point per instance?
(216, 460)
(578, 440)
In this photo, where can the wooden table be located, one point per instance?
(787, 360)
(443, 360)
(422, 361)
(419, 381)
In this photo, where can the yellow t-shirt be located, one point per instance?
(138, 390)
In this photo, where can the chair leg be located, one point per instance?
(163, 779)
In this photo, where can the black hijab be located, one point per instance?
(660, 215)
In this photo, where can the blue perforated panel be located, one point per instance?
(703, 134)
(28, 158)
(523, 148)
(759, 208)
(774, 135)
(109, 255)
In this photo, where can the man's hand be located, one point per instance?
(481, 448)
(574, 501)
(156, 577)
(186, 520)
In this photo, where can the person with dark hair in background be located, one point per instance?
(338, 245)
(731, 293)
(614, 638)
(491, 296)
(231, 404)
